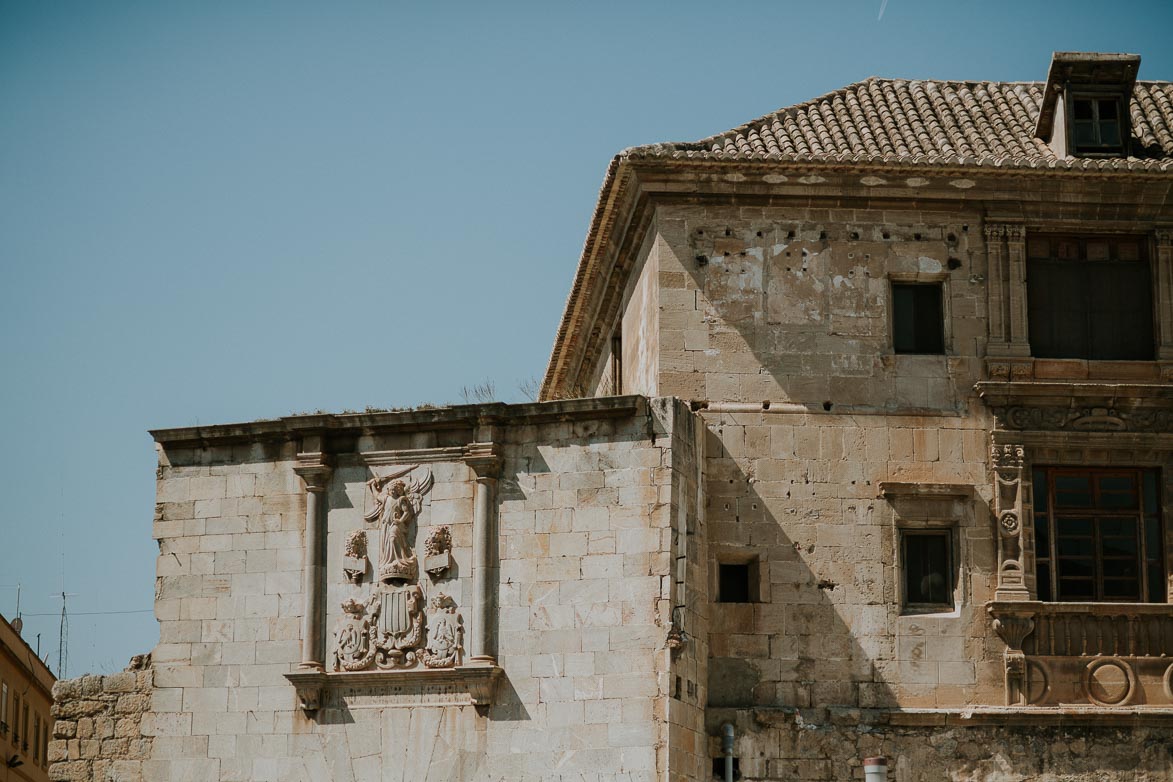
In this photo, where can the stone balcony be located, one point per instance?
(1108, 655)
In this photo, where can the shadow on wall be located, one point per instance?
(798, 310)
(812, 638)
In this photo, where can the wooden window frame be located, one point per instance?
(1083, 240)
(1045, 513)
(948, 532)
(1123, 121)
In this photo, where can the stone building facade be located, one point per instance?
(855, 438)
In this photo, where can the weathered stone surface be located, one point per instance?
(98, 730)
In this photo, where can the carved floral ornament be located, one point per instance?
(1084, 419)
(390, 627)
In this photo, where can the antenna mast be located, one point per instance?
(63, 642)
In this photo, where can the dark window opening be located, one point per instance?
(719, 768)
(1096, 126)
(1098, 535)
(927, 557)
(736, 582)
(1089, 298)
(918, 324)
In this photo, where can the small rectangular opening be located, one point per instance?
(737, 582)
(918, 323)
(927, 560)
(719, 768)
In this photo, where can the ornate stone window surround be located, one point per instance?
(1008, 350)
(931, 506)
(1061, 652)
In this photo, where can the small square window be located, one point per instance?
(737, 582)
(927, 563)
(918, 323)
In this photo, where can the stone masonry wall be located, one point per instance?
(98, 735)
(585, 521)
(820, 745)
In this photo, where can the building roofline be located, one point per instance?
(621, 177)
(25, 658)
(423, 419)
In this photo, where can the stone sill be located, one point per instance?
(959, 717)
(467, 685)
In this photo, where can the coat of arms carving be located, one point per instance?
(390, 628)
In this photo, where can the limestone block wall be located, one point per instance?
(586, 510)
(821, 745)
(792, 304)
(99, 730)
(799, 494)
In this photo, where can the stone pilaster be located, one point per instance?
(1008, 510)
(996, 289)
(315, 469)
(484, 460)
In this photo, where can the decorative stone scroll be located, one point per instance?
(1008, 509)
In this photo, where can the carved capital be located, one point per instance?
(1014, 232)
(315, 469)
(1007, 457)
(484, 459)
(1164, 237)
(994, 231)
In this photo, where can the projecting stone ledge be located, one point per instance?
(467, 685)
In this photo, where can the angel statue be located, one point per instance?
(397, 504)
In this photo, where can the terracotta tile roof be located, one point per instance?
(935, 123)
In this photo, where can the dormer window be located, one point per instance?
(1095, 126)
(1085, 112)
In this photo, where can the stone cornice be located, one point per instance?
(456, 417)
(1079, 406)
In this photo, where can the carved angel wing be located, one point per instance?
(375, 486)
(417, 489)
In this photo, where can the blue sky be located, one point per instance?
(220, 211)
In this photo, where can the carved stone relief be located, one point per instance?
(446, 638)
(354, 557)
(1008, 509)
(438, 548)
(397, 503)
(390, 628)
(1084, 419)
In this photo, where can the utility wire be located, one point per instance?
(94, 613)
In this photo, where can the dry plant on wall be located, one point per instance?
(479, 393)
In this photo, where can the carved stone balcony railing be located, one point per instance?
(1086, 654)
